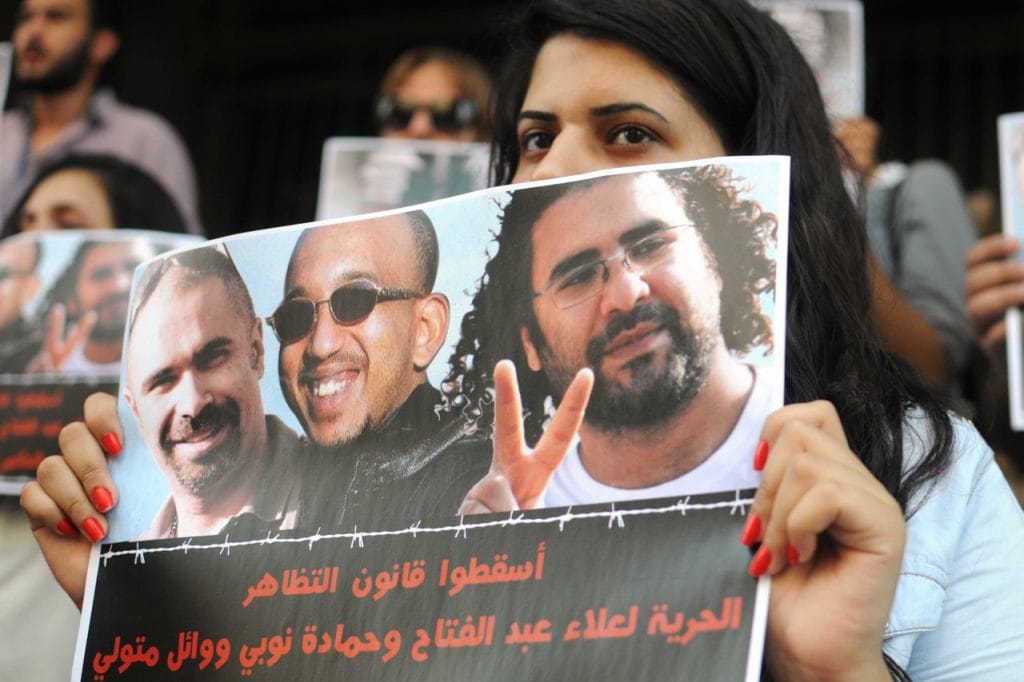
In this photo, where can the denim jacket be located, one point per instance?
(958, 613)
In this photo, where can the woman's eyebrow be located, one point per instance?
(535, 115)
(621, 107)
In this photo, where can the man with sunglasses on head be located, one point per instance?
(359, 325)
(193, 365)
(649, 287)
(87, 308)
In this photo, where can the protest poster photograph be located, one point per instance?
(1011, 189)
(63, 307)
(830, 35)
(314, 414)
(366, 174)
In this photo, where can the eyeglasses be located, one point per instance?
(349, 304)
(451, 117)
(586, 281)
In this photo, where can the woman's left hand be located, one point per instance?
(832, 537)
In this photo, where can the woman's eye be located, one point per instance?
(535, 140)
(631, 135)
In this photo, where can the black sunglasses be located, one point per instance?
(452, 117)
(349, 304)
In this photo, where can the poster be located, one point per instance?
(830, 34)
(5, 70)
(63, 302)
(293, 473)
(365, 174)
(1011, 190)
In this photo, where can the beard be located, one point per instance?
(65, 73)
(198, 475)
(111, 318)
(655, 391)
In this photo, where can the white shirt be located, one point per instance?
(730, 467)
(78, 365)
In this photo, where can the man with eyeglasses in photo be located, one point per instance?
(87, 307)
(644, 293)
(359, 326)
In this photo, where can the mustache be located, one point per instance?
(212, 418)
(311, 364)
(651, 311)
(36, 44)
(110, 300)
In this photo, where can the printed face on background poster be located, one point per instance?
(341, 378)
(195, 357)
(18, 280)
(650, 321)
(104, 282)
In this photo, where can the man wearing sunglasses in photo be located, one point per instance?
(194, 360)
(653, 283)
(359, 326)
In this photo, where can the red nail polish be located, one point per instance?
(111, 443)
(102, 499)
(67, 528)
(761, 561)
(760, 455)
(93, 529)
(751, 530)
(792, 555)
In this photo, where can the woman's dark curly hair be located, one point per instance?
(737, 233)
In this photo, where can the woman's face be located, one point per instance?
(429, 90)
(68, 199)
(593, 104)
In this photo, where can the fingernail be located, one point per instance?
(751, 530)
(94, 530)
(761, 561)
(760, 455)
(67, 528)
(111, 443)
(102, 499)
(792, 555)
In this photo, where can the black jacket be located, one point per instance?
(418, 464)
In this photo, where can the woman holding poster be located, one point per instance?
(885, 523)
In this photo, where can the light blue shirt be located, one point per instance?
(959, 607)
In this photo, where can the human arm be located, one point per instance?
(906, 332)
(958, 608)
(932, 232)
(519, 476)
(63, 505)
(831, 593)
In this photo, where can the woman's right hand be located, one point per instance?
(66, 503)
(994, 284)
